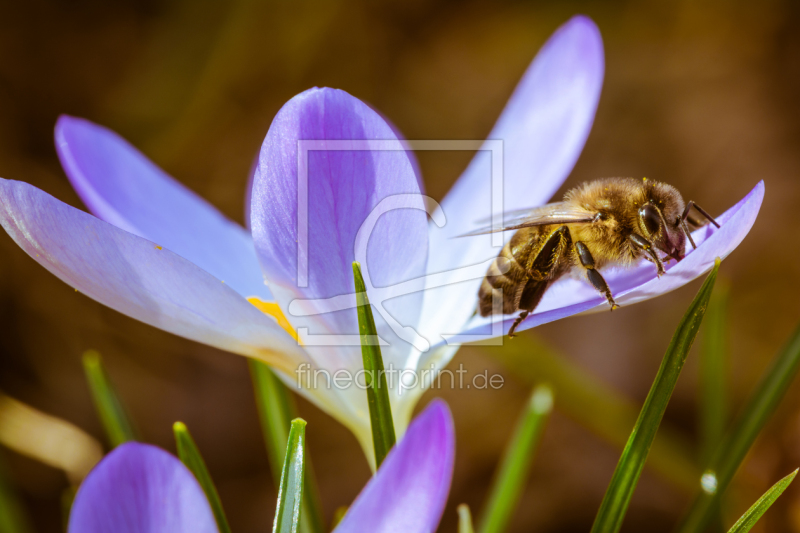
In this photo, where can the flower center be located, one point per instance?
(273, 309)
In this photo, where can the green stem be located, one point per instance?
(515, 465)
(113, 415)
(190, 456)
(276, 410)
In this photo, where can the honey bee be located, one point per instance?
(606, 222)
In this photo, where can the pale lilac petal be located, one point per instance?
(138, 488)
(139, 278)
(409, 492)
(412, 156)
(571, 296)
(121, 186)
(543, 129)
(343, 188)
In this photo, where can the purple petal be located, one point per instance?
(139, 278)
(543, 129)
(121, 186)
(343, 187)
(138, 488)
(412, 156)
(571, 296)
(409, 492)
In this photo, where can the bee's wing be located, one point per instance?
(556, 213)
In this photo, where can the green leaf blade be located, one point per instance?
(626, 476)
(113, 415)
(276, 410)
(464, 519)
(380, 410)
(749, 518)
(12, 514)
(190, 456)
(748, 424)
(516, 462)
(713, 372)
(290, 494)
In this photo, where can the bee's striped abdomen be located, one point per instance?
(533, 256)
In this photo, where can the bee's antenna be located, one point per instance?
(685, 215)
(704, 213)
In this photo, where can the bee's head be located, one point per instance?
(659, 219)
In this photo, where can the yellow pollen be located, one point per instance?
(159, 247)
(273, 309)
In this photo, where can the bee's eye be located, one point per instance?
(650, 218)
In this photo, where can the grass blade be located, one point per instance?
(712, 378)
(615, 502)
(67, 499)
(113, 416)
(12, 516)
(748, 424)
(598, 407)
(749, 519)
(290, 494)
(338, 516)
(513, 471)
(713, 372)
(464, 519)
(276, 411)
(380, 410)
(190, 456)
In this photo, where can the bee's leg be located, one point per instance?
(531, 296)
(648, 248)
(516, 323)
(541, 269)
(594, 277)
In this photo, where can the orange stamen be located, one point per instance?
(273, 309)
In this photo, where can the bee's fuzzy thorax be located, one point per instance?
(619, 200)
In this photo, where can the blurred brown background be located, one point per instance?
(703, 95)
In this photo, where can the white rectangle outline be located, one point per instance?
(493, 146)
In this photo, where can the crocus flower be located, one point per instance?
(139, 488)
(164, 256)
